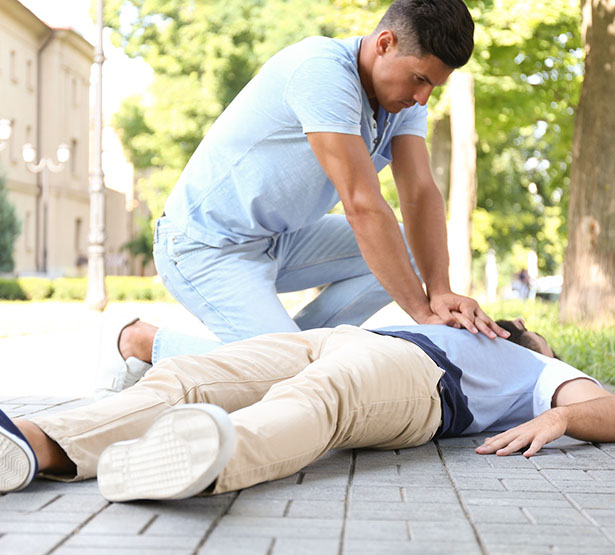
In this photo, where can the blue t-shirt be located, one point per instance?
(488, 384)
(255, 174)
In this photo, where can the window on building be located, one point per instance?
(73, 156)
(29, 77)
(27, 231)
(13, 66)
(13, 143)
(74, 92)
(78, 227)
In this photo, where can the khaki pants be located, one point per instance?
(292, 397)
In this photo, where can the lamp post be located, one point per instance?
(44, 166)
(5, 132)
(96, 297)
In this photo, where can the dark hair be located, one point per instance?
(521, 337)
(443, 28)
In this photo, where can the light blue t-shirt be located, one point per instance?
(502, 384)
(255, 174)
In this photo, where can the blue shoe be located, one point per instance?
(18, 464)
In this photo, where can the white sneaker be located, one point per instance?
(18, 464)
(118, 374)
(180, 455)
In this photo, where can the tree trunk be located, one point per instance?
(441, 154)
(589, 270)
(462, 198)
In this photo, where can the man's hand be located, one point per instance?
(459, 311)
(537, 432)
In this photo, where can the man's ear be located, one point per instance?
(385, 41)
(519, 324)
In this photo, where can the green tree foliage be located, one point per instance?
(203, 54)
(142, 244)
(528, 65)
(10, 228)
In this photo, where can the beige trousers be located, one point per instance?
(292, 397)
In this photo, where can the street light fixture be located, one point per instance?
(6, 127)
(44, 166)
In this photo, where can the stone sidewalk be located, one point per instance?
(440, 498)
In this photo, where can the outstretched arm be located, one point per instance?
(581, 410)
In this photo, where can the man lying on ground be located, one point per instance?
(266, 407)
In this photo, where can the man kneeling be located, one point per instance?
(264, 408)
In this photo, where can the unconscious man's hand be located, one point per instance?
(537, 432)
(459, 311)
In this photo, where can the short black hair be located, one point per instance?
(443, 28)
(521, 337)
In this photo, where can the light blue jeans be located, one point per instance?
(233, 289)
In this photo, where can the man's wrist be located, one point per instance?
(438, 290)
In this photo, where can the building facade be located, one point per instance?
(44, 92)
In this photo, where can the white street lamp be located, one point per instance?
(44, 166)
(6, 128)
(96, 297)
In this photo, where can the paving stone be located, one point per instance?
(294, 546)
(497, 514)
(515, 498)
(26, 501)
(561, 516)
(512, 484)
(146, 543)
(242, 526)
(435, 546)
(439, 512)
(116, 550)
(602, 475)
(245, 506)
(315, 509)
(274, 490)
(594, 500)
(30, 544)
(547, 534)
(380, 493)
(320, 479)
(377, 529)
(82, 503)
(224, 545)
(558, 476)
(603, 517)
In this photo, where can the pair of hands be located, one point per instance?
(462, 312)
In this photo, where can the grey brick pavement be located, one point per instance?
(440, 498)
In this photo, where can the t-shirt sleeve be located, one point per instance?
(413, 121)
(554, 374)
(325, 96)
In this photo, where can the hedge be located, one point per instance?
(119, 288)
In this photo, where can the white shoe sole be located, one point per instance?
(180, 455)
(18, 464)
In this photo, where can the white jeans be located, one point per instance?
(291, 398)
(233, 290)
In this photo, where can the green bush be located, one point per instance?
(119, 288)
(11, 290)
(69, 289)
(133, 288)
(36, 289)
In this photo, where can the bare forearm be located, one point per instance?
(425, 228)
(384, 250)
(591, 420)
